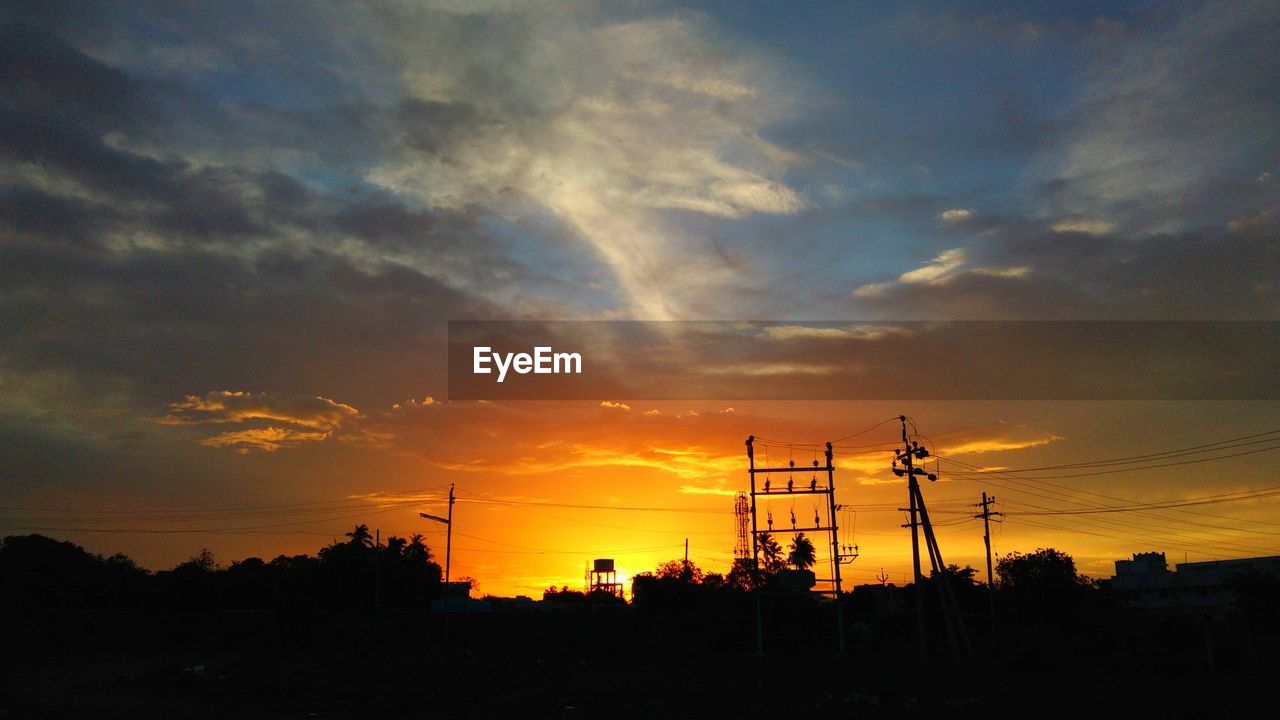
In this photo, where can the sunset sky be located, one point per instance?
(232, 235)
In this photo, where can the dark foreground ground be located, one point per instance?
(622, 665)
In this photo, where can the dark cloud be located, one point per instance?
(284, 322)
(37, 215)
(49, 77)
(432, 127)
(143, 262)
(1025, 270)
(1171, 127)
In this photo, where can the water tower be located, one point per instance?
(604, 578)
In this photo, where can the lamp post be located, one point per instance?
(448, 548)
(448, 541)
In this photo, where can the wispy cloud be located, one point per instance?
(622, 126)
(947, 267)
(704, 490)
(996, 444)
(268, 439)
(229, 406)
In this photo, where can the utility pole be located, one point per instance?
(448, 537)
(952, 620)
(756, 576)
(686, 552)
(836, 558)
(791, 489)
(986, 538)
(907, 457)
(377, 582)
(447, 520)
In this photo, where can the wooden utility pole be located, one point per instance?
(756, 575)
(377, 582)
(447, 520)
(986, 538)
(952, 620)
(448, 537)
(835, 547)
(913, 489)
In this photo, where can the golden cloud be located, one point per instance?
(227, 406)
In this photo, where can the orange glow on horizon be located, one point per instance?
(543, 488)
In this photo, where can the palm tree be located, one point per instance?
(771, 551)
(361, 536)
(395, 546)
(802, 556)
(417, 549)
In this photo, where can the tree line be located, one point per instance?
(1039, 582)
(349, 574)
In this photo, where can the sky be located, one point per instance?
(232, 236)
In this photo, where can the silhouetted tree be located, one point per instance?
(38, 572)
(41, 573)
(1039, 582)
(416, 550)
(802, 555)
(361, 536)
(192, 583)
(396, 545)
(123, 562)
(202, 561)
(743, 575)
(770, 554)
(964, 587)
(684, 571)
(564, 598)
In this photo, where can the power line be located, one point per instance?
(1064, 493)
(491, 501)
(404, 499)
(1165, 532)
(1067, 492)
(618, 527)
(224, 530)
(1132, 469)
(1207, 500)
(819, 446)
(1163, 529)
(1178, 452)
(864, 432)
(545, 551)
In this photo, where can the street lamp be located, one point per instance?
(448, 542)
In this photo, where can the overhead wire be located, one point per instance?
(1067, 493)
